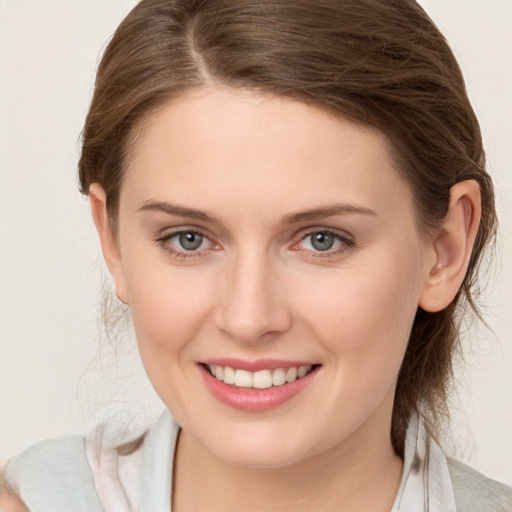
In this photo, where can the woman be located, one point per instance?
(292, 200)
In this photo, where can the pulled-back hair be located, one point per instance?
(378, 63)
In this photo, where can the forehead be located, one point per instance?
(223, 144)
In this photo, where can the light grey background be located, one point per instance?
(50, 263)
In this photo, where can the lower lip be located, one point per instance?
(255, 400)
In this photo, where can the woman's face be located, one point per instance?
(261, 239)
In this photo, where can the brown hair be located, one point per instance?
(380, 63)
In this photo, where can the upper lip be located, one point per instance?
(257, 365)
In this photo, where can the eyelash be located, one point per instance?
(346, 243)
(164, 240)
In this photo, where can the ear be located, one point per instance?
(108, 239)
(453, 247)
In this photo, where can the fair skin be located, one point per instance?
(274, 234)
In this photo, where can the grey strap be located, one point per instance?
(475, 492)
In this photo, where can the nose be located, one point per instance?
(252, 306)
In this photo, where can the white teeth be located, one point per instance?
(302, 371)
(243, 379)
(229, 375)
(262, 379)
(291, 374)
(278, 377)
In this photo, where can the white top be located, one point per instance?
(88, 475)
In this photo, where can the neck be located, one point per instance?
(355, 475)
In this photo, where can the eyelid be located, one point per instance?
(167, 234)
(347, 240)
(171, 231)
(339, 233)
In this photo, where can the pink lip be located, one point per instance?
(255, 366)
(254, 400)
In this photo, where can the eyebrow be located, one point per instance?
(180, 211)
(327, 211)
(292, 218)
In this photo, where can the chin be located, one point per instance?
(259, 457)
(260, 445)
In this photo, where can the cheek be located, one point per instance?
(168, 312)
(168, 306)
(364, 314)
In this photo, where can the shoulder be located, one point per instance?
(97, 472)
(39, 474)
(475, 492)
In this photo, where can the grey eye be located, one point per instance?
(190, 241)
(322, 241)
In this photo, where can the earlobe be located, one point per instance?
(108, 239)
(453, 247)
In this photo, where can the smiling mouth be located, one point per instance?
(263, 379)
